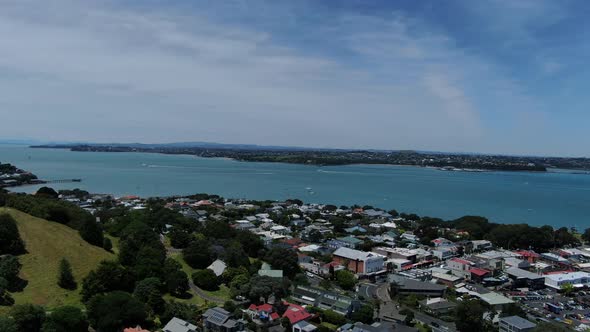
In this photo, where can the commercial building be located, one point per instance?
(359, 262)
(522, 278)
(577, 279)
(515, 324)
(402, 285)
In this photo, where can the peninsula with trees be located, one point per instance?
(333, 157)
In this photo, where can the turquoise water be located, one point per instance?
(558, 199)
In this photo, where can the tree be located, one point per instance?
(333, 317)
(67, 318)
(364, 314)
(345, 279)
(28, 317)
(180, 239)
(9, 270)
(66, 278)
(563, 238)
(230, 306)
(206, 279)
(567, 289)
(469, 316)
(586, 235)
(47, 192)
(7, 324)
(283, 259)
(409, 319)
(326, 284)
(5, 297)
(286, 324)
(513, 309)
(149, 262)
(10, 240)
(107, 244)
(108, 277)
(235, 256)
(112, 312)
(198, 254)
(187, 312)
(250, 242)
(262, 287)
(175, 278)
(90, 231)
(148, 292)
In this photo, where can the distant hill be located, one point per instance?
(47, 242)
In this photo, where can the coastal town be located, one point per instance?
(357, 268)
(11, 176)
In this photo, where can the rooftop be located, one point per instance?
(518, 322)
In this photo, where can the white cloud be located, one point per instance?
(102, 73)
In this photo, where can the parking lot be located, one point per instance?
(548, 305)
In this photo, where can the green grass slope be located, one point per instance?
(46, 243)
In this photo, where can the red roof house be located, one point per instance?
(296, 313)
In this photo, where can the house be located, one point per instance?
(298, 222)
(442, 242)
(400, 253)
(295, 313)
(304, 326)
(359, 262)
(553, 258)
(355, 229)
(135, 329)
(481, 245)
(437, 306)
(398, 264)
(218, 320)
(460, 267)
(409, 236)
(516, 262)
(348, 242)
(478, 275)
(266, 270)
(515, 324)
(375, 327)
(492, 260)
(444, 253)
(218, 267)
(326, 300)
(178, 325)
(446, 279)
(263, 312)
(530, 256)
(279, 229)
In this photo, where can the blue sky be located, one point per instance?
(493, 76)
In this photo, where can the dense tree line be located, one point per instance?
(509, 236)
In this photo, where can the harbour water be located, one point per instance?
(554, 198)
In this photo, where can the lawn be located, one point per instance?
(47, 243)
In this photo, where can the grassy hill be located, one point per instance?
(46, 243)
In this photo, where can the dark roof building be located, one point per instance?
(402, 285)
(515, 324)
(219, 320)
